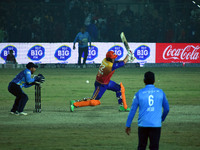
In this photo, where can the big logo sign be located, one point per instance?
(142, 52)
(5, 51)
(36, 52)
(92, 53)
(63, 53)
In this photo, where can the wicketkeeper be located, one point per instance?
(103, 83)
(23, 79)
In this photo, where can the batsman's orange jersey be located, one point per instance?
(105, 72)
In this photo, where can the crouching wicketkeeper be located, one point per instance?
(23, 79)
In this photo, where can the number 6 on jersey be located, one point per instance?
(151, 101)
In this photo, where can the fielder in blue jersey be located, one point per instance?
(23, 79)
(82, 38)
(151, 101)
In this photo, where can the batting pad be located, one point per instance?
(123, 96)
(87, 103)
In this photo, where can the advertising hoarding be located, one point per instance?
(47, 53)
(177, 53)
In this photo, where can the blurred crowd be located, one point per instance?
(60, 21)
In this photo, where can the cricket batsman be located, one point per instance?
(103, 83)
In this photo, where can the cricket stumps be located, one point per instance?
(37, 98)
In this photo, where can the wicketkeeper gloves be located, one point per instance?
(39, 78)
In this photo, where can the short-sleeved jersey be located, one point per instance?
(150, 101)
(83, 39)
(106, 70)
(23, 78)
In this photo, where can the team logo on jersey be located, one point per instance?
(36, 52)
(92, 53)
(118, 51)
(5, 51)
(142, 52)
(63, 53)
(28, 72)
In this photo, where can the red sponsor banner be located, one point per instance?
(178, 52)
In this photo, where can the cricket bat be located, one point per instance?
(130, 53)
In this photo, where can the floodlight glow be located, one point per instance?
(198, 6)
(194, 2)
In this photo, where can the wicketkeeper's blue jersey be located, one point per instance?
(151, 101)
(24, 78)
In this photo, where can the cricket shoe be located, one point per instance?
(14, 113)
(23, 113)
(72, 105)
(122, 109)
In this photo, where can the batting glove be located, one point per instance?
(131, 56)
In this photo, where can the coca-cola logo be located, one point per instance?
(190, 52)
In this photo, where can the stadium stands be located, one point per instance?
(59, 21)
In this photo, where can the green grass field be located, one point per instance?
(100, 127)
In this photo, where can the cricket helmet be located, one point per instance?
(111, 55)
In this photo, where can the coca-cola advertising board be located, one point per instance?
(177, 52)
